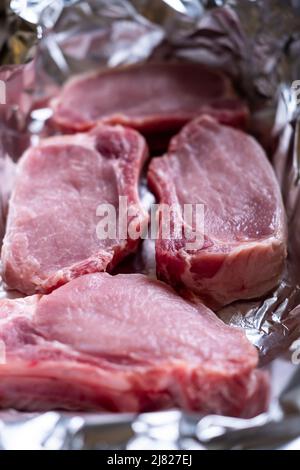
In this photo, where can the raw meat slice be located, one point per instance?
(124, 343)
(150, 97)
(51, 232)
(244, 221)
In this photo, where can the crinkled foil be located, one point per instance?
(258, 44)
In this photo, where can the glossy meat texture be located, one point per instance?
(153, 98)
(51, 234)
(124, 343)
(244, 228)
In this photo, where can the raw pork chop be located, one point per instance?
(244, 222)
(124, 343)
(51, 230)
(153, 98)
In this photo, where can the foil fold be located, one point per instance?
(257, 43)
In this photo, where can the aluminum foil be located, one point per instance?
(257, 43)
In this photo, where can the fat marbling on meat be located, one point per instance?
(124, 343)
(156, 99)
(244, 231)
(51, 235)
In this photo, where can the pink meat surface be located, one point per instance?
(153, 98)
(244, 221)
(51, 232)
(124, 343)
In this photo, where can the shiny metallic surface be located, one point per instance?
(258, 44)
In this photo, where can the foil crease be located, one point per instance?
(257, 43)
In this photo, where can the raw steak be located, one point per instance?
(51, 230)
(124, 343)
(244, 222)
(153, 98)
